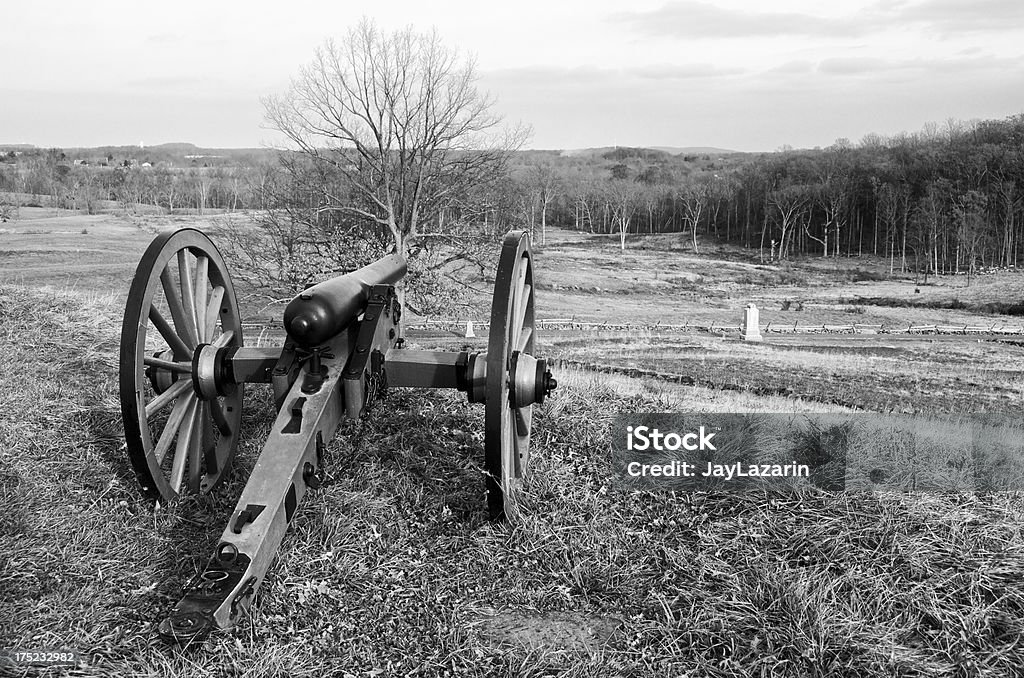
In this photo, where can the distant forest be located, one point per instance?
(943, 200)
(947, 199)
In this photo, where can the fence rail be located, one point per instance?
(712, 327)
(715, 327)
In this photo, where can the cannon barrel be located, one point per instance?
(325, 309)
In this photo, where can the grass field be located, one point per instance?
(391, 568)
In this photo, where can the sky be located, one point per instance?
(743, 75)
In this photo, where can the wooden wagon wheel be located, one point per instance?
(181, 300)
(508, 412)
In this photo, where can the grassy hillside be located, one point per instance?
(391, 569)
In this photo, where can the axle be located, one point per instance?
(219, 369)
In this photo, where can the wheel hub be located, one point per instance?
(530, 380)
(160, 378)
(211, 374)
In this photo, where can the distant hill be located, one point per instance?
(176, 147)
(186, 148)
(693, 150)
(672, 151)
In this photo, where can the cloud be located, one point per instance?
(695, 19)
(668, 72)
(801, 102)
(952, 17)
(165, 39)
(613, 79)
(801, 66)
(200, 85)
(698, 19)
(979, 66)
(176, 82)
(857, 66)
(95, 117)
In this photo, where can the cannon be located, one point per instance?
(184, 366)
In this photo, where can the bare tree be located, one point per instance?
(583, 192)
(202, 182)
(833, 192)
(262, 180)
(789, 201)
(695, 195)
(545, 184)
(625, 197)
(397, 130)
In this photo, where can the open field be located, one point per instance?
(658, 280)
(76, 251)
(391, 568)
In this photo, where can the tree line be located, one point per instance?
(944, 200)
(52, 177)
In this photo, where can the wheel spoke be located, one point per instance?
(176, 343)
(520, 319)
(181, 450)
(195, 447)
(224, 339)
(217, 414)
(518, 306)
(181, 408)
(181, 324)
(209, 441)
(179, 367)
(188, 293)
(161, 401)
(524, 415)
(524, 339)
(521, 439)
(510, 461)
(202, 279)
(213, 311)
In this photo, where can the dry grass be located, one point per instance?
(658, 279)
(920, 374)
(391, 569)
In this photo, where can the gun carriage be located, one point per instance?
(184, 366)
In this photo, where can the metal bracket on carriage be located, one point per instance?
(285, 372)
(247, 515)
(294, 424)
(316, 371)
(206, 595)
(364, 377)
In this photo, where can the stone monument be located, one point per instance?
(751, 329)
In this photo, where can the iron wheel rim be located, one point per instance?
(213, 424)
(507, 429)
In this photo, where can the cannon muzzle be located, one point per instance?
(325, 309)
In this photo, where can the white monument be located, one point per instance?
(751, 330)
(469, 329)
